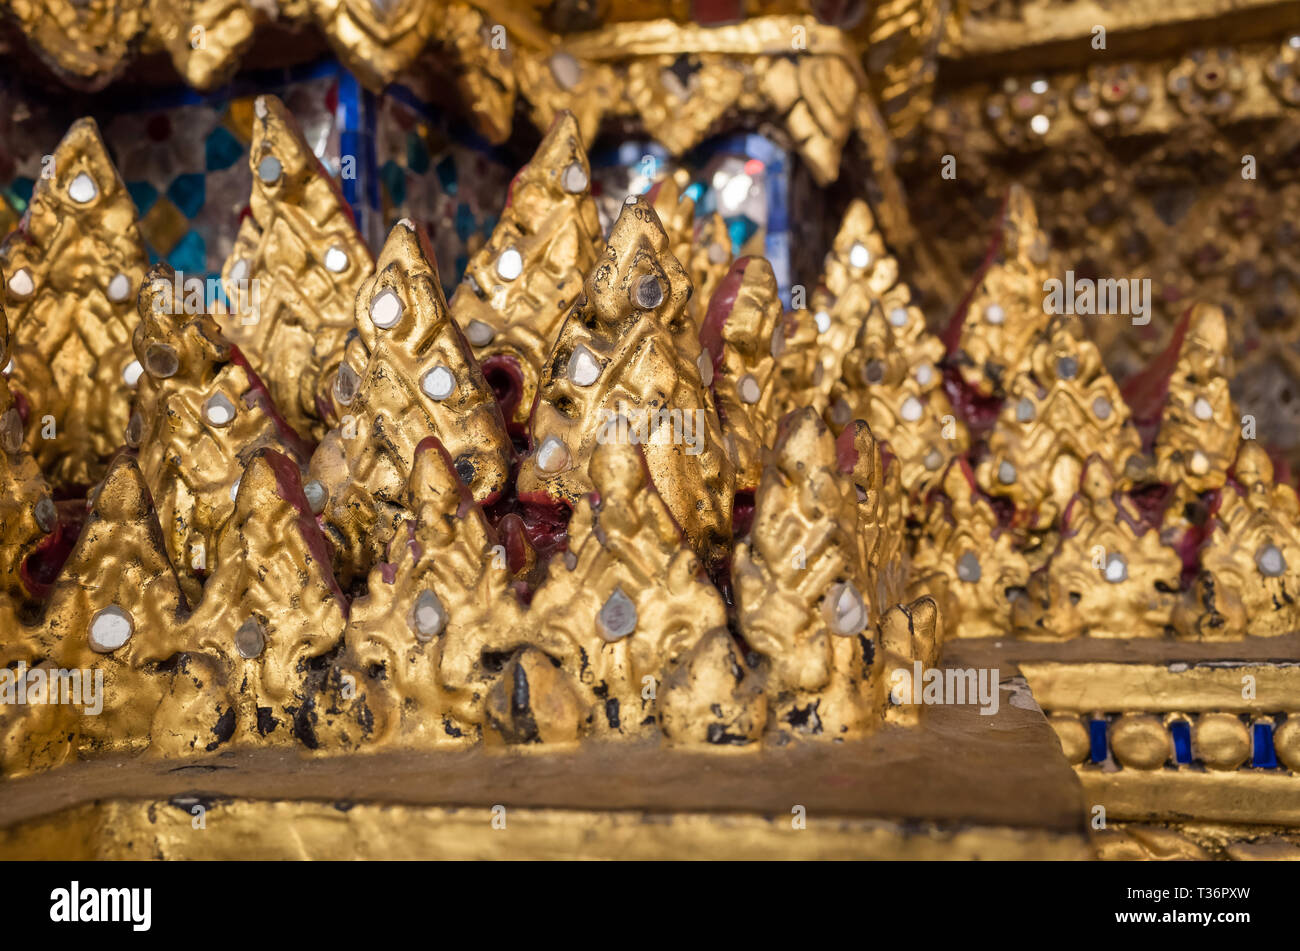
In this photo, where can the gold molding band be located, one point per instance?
(1152, 688)
(286, 829)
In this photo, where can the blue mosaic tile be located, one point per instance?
(21, 188)
(221, 149)
(464, 221)
(417, 156)
(446, 170)
(190, 255)
(188, 192)
(741, 230)
(143, 194)
(394, 182)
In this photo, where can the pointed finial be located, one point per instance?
(618, 355)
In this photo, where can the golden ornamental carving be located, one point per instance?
(708, 260)
(1061, 408)
(420, 379)
(1110, 576)
(893, 379)
(629, 601)
(445, 584)
(739, 336)
(856, 272)
(1248, 568)
(617, 357)
(811, 581)
(1006, 309)
(972, 565)
(681, 80)
(28, 514)
(87, 43)
(378, 40)
(757, 578)
(204, 38)
(116, 607)
(72, 273)
(201, 413)
(294, 271)
(270, 608)
(1200, 428)
(485, 72)
(518, 287)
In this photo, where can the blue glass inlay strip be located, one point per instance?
(1265, 756)
(1181, 731)
(1097, 734)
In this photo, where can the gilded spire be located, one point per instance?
(518, 287)
(421, 379)
(738, 337)
(676, 211)
(1004, 311)
(271, 606)
(627, 598)
(446, 582)
(200, 415)
(116, 607)
(1110, 576)
(1249, 582)
(709, 262)
(1061, 407)
(858, 271)
(967, 560)
(72, 271)
(798, 359)
(892, 379)
(1200, 427)
(27, 512)
(294, 271)
(805, 586)
(625, 353)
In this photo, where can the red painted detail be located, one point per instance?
(977, 411)
(720, 306)
(514, 536)
(742, 513)
(288, 481)
(846, 453)
(42, 566)
(545, 521)
(1146, 392)
(717, 11)
(504, 375)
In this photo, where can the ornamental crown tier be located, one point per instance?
(720, 524)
